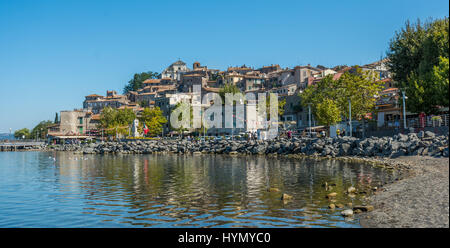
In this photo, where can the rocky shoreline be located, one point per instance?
(416, 144)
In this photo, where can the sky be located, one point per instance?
(53, 53)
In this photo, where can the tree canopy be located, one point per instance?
(418, 57)
(329, 98)
(40, 130)
(136, 83)
(154, 120)
(116, 121)
(228, 88)
(22, 133)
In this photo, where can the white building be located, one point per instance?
(175, 70)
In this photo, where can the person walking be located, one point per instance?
(338, 132)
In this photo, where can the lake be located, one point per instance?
(62, 189)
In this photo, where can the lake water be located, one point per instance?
(49, 189)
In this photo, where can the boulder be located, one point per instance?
(347, 213)
(331, 195)
(285, 197)
(351, 189)
(339, 205)
(429, 134)
(273, 190)
(367, 208)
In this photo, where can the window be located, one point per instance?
(80, 120)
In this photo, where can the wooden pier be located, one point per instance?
(20, 146)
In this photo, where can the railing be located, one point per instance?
(429, 122)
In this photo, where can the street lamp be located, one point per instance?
(404, 109)
(309, 115)
(350, 115)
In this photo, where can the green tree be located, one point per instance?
(327, 112)
(22, 133)
(56, 118)
(116, 121)
(138, 78)
(417, 54)
(360, 87)
(228, 88)
(40, 130)
(154, 119)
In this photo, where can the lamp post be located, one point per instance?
(309, 118)
(350, 116)
(404, 109)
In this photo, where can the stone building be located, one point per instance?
(96, 103)
(175, 70)
(75, 124)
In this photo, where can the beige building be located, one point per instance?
(96, 103)
(78, 123)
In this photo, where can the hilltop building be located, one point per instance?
(175, 70)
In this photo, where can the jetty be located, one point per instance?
(20, 145)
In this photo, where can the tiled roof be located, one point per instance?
(152, 81)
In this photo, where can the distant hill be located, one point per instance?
(6, 136)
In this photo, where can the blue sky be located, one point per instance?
(53, 53)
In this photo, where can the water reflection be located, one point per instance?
(76, 190)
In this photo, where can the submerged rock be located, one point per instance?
(285, 197)
(331, 195)
(273, 190)
(367, 208)
(347, 213)
(351, 189)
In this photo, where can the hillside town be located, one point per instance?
(175, 84)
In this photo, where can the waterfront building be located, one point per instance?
(75, 124)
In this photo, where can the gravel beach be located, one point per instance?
(420, 200)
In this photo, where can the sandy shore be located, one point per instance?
(419, 200)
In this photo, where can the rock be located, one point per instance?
(234, 153)
(421, 134)
(331, 206)
(273, 190)
(429, 134)
(286, 197)
(445, 152)
(351, 195)
(347, 213)
(357, 211)
(331, 195)
(197, 153)
(351, 189)
(339, 205)
(367, 208)
(349, 204)
(88, 150)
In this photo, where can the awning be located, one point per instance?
(72, 137)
